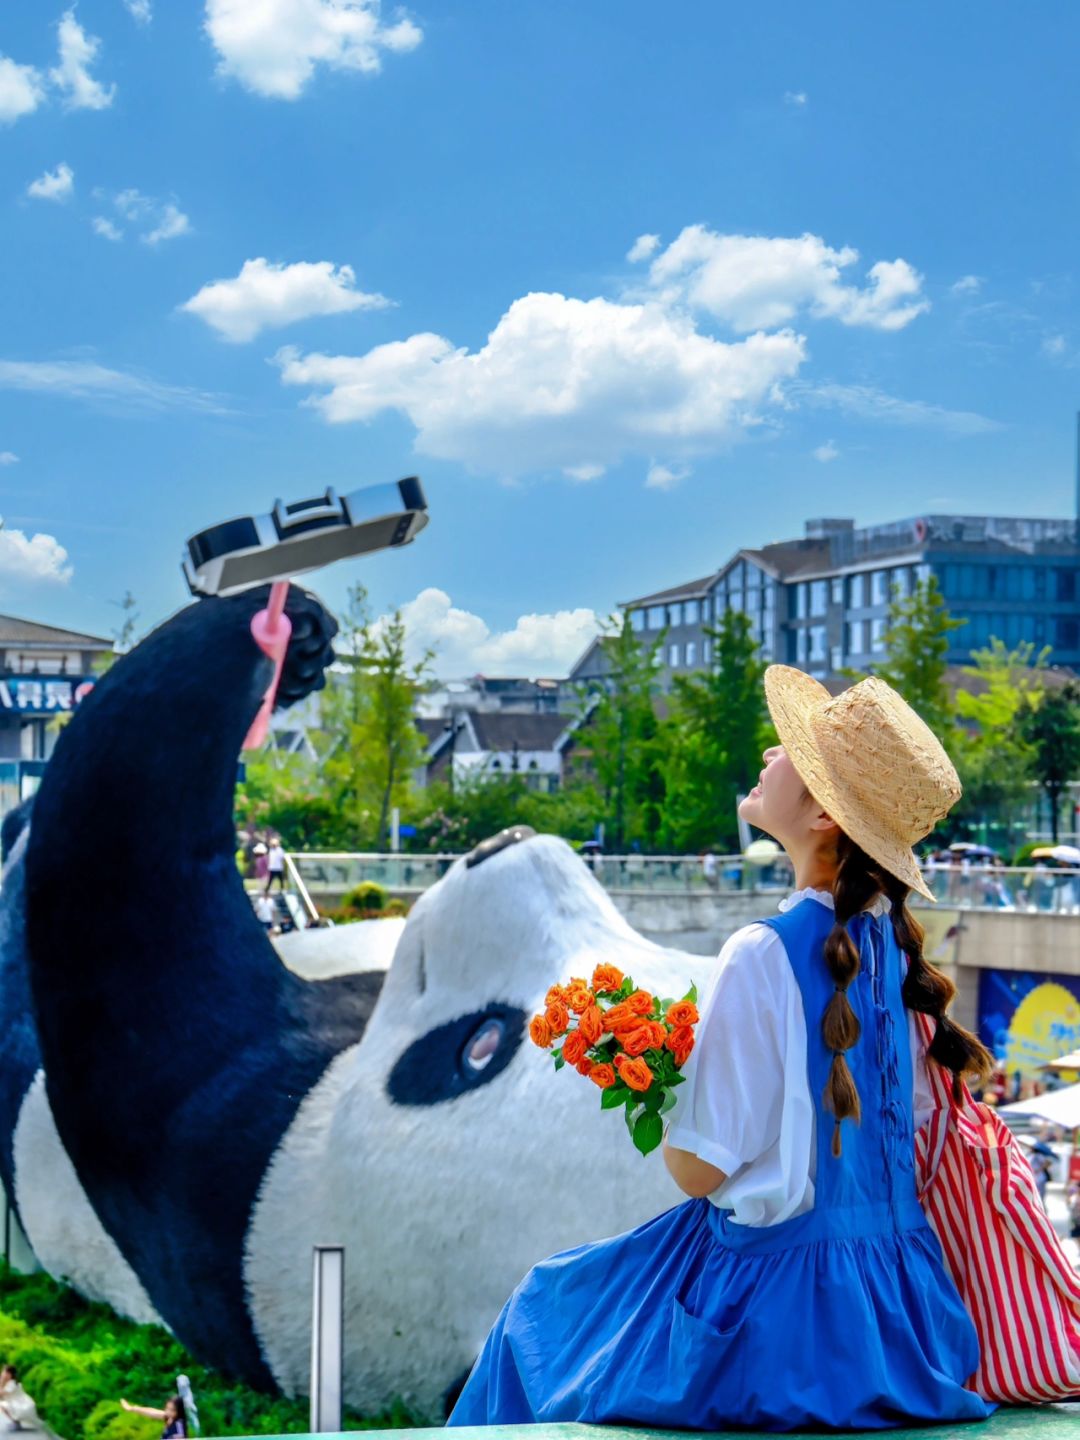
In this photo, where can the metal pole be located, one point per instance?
(327, 1336)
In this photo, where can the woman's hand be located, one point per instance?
(125, 1406)
(695, 1177)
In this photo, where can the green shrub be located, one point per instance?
(365, 896)
(396, 907)
(79, 1360)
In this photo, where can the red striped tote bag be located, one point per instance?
(979, 1194)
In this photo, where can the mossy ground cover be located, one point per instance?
(78, 1360)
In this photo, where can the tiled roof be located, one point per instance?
(690, 591)
(15, 631)
(499, 730)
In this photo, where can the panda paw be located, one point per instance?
(311, 648)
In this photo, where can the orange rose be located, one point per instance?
(602, 1075)
(619, 1015)
(574, 1047)
(540, 1032)
(584, 1066)
(606, 977)
(591, 1024)
(659, 1034)
(634, 1073)
(558, 1017)
(683, 1012)
(636, 1041)
(555, 994)
(641, 1003)
(579, 998)
(680, 1042)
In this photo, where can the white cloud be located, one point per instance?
(538, 645)
(583, 473)
(8, 457)
(58, 184)
(864, 402)
(273, 46)
(826, 452)
(140, 10)
(966, 285)
(797, 98)
(1054, 346)
(265, 296)
(106, 229)
(665, 477)
(38, 558)
(159, 219)
(643, 248)
(22, 90)
(86, 380)
(752, 282)
(560, 384)
(71, 75)
(173, 222)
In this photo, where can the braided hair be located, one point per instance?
(859, 879)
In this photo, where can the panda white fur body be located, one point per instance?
(443, 1208)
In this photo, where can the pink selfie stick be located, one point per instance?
(270, 629)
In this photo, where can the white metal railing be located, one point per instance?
(981, 887)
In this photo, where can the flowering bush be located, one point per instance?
(628, 1042)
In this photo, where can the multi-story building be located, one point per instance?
(821, 602)
(44, 673)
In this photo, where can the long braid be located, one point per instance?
(855, 886)
(930, 992)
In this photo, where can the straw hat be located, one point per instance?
(869, 762)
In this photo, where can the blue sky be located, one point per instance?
(253, 247)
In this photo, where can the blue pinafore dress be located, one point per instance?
(841, 1317)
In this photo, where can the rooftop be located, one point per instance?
(16, 631)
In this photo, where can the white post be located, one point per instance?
(395, 829)
(327, 1333)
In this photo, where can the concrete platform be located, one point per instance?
(1048, 1422)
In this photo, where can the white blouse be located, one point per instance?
(746, 1105)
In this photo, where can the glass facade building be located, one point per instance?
(821, 602)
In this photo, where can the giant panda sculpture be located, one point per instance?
(221, 1114)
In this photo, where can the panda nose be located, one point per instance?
(513, 835)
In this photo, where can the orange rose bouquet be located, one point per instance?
(628, 1042)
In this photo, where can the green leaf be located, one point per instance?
(628, 1115)
(648, 1133)
(613, 1097)
(654, 1098)
(669, 1102)
(677, 1079)
(691, 995)
(559, 1060)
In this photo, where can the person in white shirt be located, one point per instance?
(275, 866)
(17, 1410)
(265, 911)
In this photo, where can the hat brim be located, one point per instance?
(794, 699)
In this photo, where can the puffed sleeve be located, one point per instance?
(737, 1100)
(923, 1104)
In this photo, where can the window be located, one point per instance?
(1065, 586)
(706, 651)
(754, 577)
(879, 587)
(877, 636)
(836, 657)
(735, 600)
(856, 637)
(900, 580)
(637, 620)
(859, 591)
(818, 648)
(691, 652)
(675, 615)
(922, 573)
(1067, 632)
(673, 656)
(837, 590)
(819, 597)
(801, 601)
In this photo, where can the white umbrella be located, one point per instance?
(1070, 854)
(1060, 1107)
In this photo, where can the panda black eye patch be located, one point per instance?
(457, 1057)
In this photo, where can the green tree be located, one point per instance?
(718, 729)
(368, 721)
(916, 643)
(1051, 726)
(623, 736)
(993, 756)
